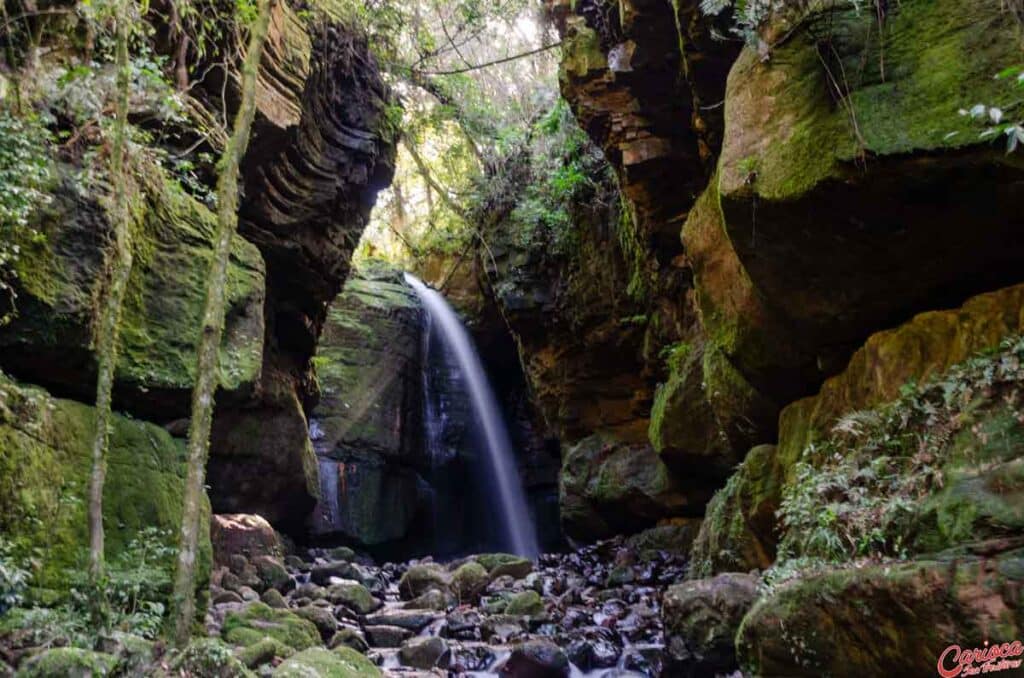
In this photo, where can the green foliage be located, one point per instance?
(562, 168)
(860, 492)
(25, 175)
(14, 576)
(995, 118)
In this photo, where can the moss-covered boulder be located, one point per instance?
(68, 662)
(257, 621)
(354, 596)
(925, 346)
(883, 619)
(846, 173)
(60, 278)
(607, 487)
(469, 581)
(45, 462)
(505, 564)
(683, 428)
(419, 579)
(525, 604)
(208, 657)
(341, 662)
(739, 531)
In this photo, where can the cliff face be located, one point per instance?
(322, 147)
(834, 194)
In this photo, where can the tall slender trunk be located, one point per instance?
(110, 317)
(213, 327)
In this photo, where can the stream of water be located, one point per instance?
(510, 499)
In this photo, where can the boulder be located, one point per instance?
(675, 536)
(896, 619)
(263, 652)
(469, 581)
(45, 462)
(71, 662)
(426, 652)
(505, 564)
(272, 573)
(740, 531)
(701, 618)
(387, 636)
(353, 596)
(257, 620)
(208, 657)
(536, 659)
(350, 637)
(525, 604)
(341, 662)
(322, 618)
(608, 487)
(419, 579)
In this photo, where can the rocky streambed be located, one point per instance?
(595, 612)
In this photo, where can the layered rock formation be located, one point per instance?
(323, 148)
(843, 197)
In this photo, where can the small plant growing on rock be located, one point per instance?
(995, 118)
(861, 492)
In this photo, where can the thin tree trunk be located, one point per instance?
(213, 327)
(110, 317)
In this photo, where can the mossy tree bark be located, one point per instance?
(207, 368)
(107, 331)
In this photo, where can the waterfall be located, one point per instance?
(517, 527)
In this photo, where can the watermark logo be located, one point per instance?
(957, 661)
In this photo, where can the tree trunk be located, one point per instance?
(207, 372)
(107, 331)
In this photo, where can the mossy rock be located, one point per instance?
(263, 652)
(505, 564)
(882, 619)
(608, 487)
(675, 536)
(341, 662)
(469, 581)
(683, 428)
(45, 463)
(525, 604)
(846, 172)
(209, 657)
(739, 531)
(419, 579)
(68, 662)
(257, 621)
(355, 597)
(59, 278)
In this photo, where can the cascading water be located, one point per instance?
(517, 527)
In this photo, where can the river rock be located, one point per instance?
(354, 596)
(387, 636)
(418, 579)
(427, 652)
(536, 659)
(701, 619)
(469, 581)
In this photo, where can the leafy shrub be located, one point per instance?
(24, 175)
(14, 576)
(858, 492)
